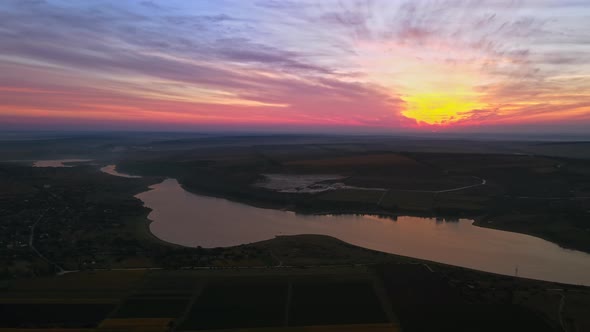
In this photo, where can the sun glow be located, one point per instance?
(439, 83)
(440, 108)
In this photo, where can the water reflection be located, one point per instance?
(112, 170)
(58, 162)
(193, 220)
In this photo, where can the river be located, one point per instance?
(193, 220)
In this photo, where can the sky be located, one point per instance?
(330, 65)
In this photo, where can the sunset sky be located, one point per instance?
(382, 65)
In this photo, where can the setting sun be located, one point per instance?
(440, 108)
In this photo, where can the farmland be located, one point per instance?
(338, 301)
(384, 296)
(47, 315)
(239, 303)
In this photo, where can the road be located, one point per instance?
(483, 182)
(32, 245)
(551, 198)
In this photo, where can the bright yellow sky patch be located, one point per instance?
(436, 90)
(439, 108)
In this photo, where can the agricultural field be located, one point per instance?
(104, 285)
(238, 304)
(353, 195)
(138, 307)
(47, 315)
(417, 201)
(321, 302)
(382, 297)
(416, 293)
(369, 161)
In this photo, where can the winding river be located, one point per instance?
(194, 220)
